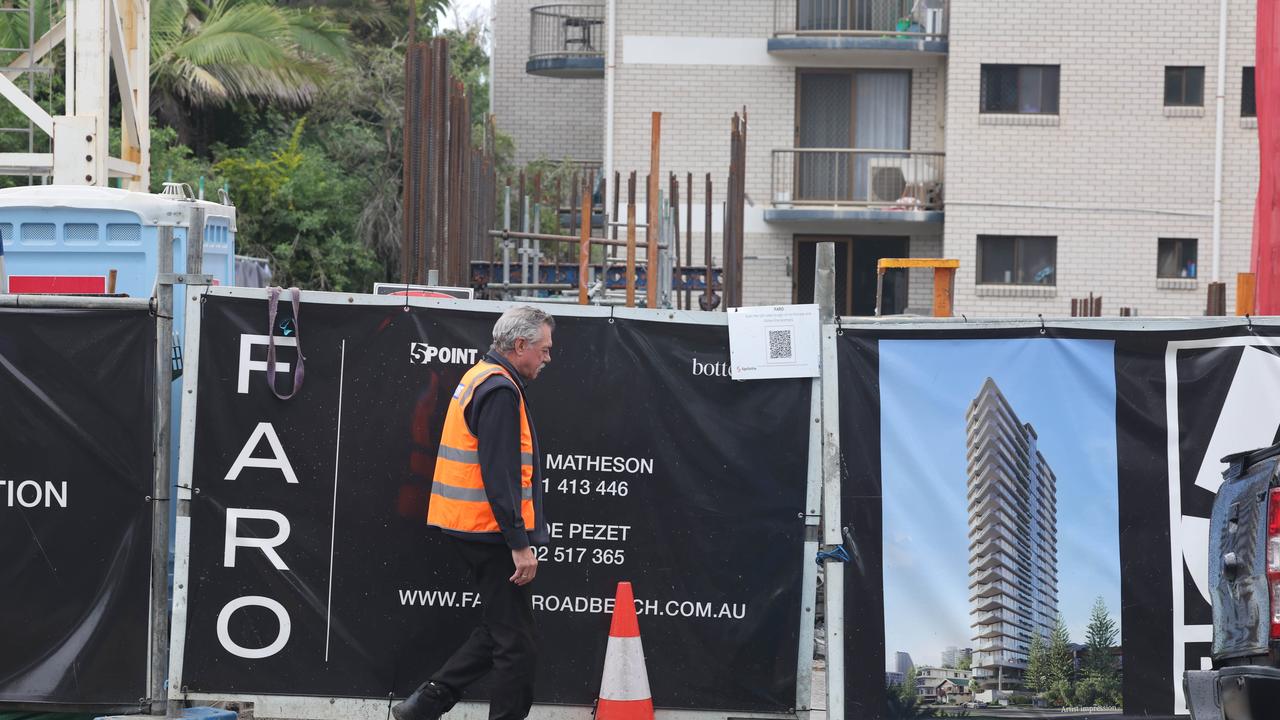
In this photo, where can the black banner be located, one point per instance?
(658, 469)
(75, 475)
(1121, 431)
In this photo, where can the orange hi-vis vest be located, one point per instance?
(458, 500)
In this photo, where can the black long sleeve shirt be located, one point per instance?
(493, 416)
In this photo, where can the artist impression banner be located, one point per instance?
(313, 571)
(1031, 512)
(75, 508)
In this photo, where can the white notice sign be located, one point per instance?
(773, 342)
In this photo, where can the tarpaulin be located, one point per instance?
(658, 469)
(75, 522)
(1006, 486)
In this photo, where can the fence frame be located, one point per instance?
(822, 485)
(160, 510)
(337, 708)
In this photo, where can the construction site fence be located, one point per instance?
(967, 484)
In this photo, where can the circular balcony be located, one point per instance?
(566, 41)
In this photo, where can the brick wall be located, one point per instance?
(552, 118)
(705, 18)
(927, 108)
(697, 103)
(1114, 173)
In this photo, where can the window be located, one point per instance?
(1248, 95)
(1176, 258)
(1023, 89)
(1020, 89)
(1184, 86)
(1010, 260)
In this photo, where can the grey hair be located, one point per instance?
(524, 321)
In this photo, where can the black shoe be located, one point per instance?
(428, 702)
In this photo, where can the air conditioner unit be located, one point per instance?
(886, 184)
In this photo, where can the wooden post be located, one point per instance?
(1246, 285)
(651, 230)
(613, 217)
(944, 283)
(631, 240)
(584, 242)
(1216, 303)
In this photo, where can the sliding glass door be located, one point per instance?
(839, 111)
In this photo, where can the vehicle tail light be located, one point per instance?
(1273, 559)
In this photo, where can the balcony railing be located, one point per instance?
(991, 589)
(997, 616)
(885, 179)
(905, 19)
(565, 39)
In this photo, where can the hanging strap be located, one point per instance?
(273, 298)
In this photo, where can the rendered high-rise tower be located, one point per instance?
(1013, 557)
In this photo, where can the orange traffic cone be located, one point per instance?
(624, 690)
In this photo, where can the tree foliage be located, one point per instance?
(1037, 672)
(238, 51)
(293, 202)
(297, 105)
(907, 709)
(301, 115)
(907, 690)
(1100, 635)
(1060, 670)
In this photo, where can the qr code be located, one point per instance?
(780, 344)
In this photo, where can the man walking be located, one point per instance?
(487, 497)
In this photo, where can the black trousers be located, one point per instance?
(505, 641)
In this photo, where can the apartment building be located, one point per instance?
(1013, 575)
(1054, 150)
(952, 657)
(902, 663)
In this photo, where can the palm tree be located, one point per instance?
(14, 28)
(232, 51)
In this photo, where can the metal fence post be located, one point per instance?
(824, 291)
(181, 499)
(160, 498)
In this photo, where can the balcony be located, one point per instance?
(994, 602)
(883, 32)
(566, 41)
(1005, 616)
(994, 575)
(998, 549)
(841, 184)
(992, 594)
